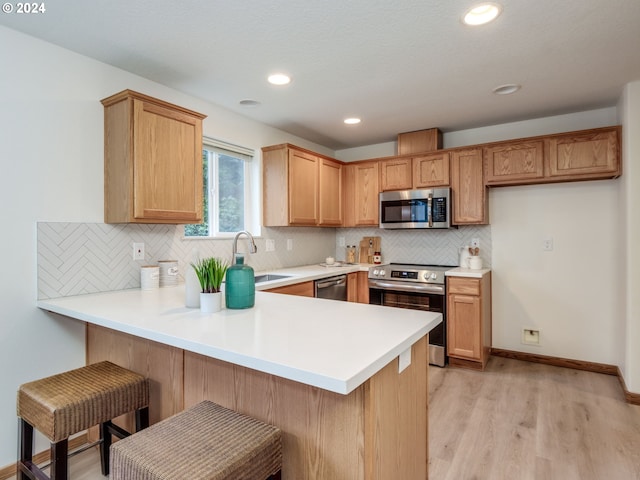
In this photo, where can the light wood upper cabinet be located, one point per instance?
(469, 321)
(396, 174)
(300, 187)
(467, 185)
(303, 188)
(330, 196)
(153, 161)
(514, 162)
(584, 155)
(419, 141)
(431, 170)
(361, 189)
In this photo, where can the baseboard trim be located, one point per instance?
(43, 457)
(630, 397)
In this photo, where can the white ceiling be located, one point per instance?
(399, 65)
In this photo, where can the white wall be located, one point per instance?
(51, 159)
(630, 206)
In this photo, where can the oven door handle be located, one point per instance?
(407, 287)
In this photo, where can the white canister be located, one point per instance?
(149, 277)
(475, 262)
(168, 272)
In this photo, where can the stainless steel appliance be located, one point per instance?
(333, 288)
(416, 208)
(418, 287)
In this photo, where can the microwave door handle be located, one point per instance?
(429, 209)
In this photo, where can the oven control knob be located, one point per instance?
(375, 272)
(430, 276)
(382, 272)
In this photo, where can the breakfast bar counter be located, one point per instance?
(346, 382)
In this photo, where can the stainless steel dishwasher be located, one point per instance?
(333, 288)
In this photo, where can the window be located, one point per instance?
(226, 180)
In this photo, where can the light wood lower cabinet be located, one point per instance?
(363, 287)
(377, 432)
(469, 321)
(302, 289)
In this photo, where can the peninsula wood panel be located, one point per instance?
(377, 432)
(162, 364)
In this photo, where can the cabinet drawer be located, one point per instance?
(465, 286)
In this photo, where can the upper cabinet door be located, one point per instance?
(514, 162)
(467, 186)
(303, 188)
(361, 194)
(330, 193)
(153, 161)
(395, 174)
(583, 155)
(431, 170)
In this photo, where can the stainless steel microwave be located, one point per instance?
(429, 208)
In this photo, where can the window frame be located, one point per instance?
(213, 148)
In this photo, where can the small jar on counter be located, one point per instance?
(377, 258)
(351, 254)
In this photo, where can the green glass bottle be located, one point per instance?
(240, 285)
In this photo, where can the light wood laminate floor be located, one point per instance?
(521, 420)
(515, 421)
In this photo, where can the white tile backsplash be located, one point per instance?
(79, 258)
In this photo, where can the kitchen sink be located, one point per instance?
(267, 277)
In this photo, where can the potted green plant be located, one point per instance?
(210, 272)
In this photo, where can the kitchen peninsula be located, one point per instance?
(346, 382)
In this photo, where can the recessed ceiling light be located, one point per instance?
(279, 79)
(249, 103)
(352, 121)
(481, 14)
(507, 89)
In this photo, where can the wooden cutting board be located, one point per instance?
(369, 245)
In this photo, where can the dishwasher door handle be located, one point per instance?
(331, 282)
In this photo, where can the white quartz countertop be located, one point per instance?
(333, 345)
(467, 272)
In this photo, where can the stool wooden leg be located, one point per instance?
(25, 447)
(59, 451)
(105, 437)
(142, 418)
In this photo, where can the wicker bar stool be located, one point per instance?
(70, 402)
(204, 442)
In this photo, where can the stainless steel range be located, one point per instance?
(417, 287)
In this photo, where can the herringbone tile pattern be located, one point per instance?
(79, 258)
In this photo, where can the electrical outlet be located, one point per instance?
(530, 336)
(269, 245)
(547, 244)
(138, 251)
(475, 242)
(289, 244)
(341, 242)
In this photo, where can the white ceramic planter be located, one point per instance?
(210, 302)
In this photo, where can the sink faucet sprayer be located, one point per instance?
(252, 244)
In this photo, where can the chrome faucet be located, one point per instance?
(252, 244)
